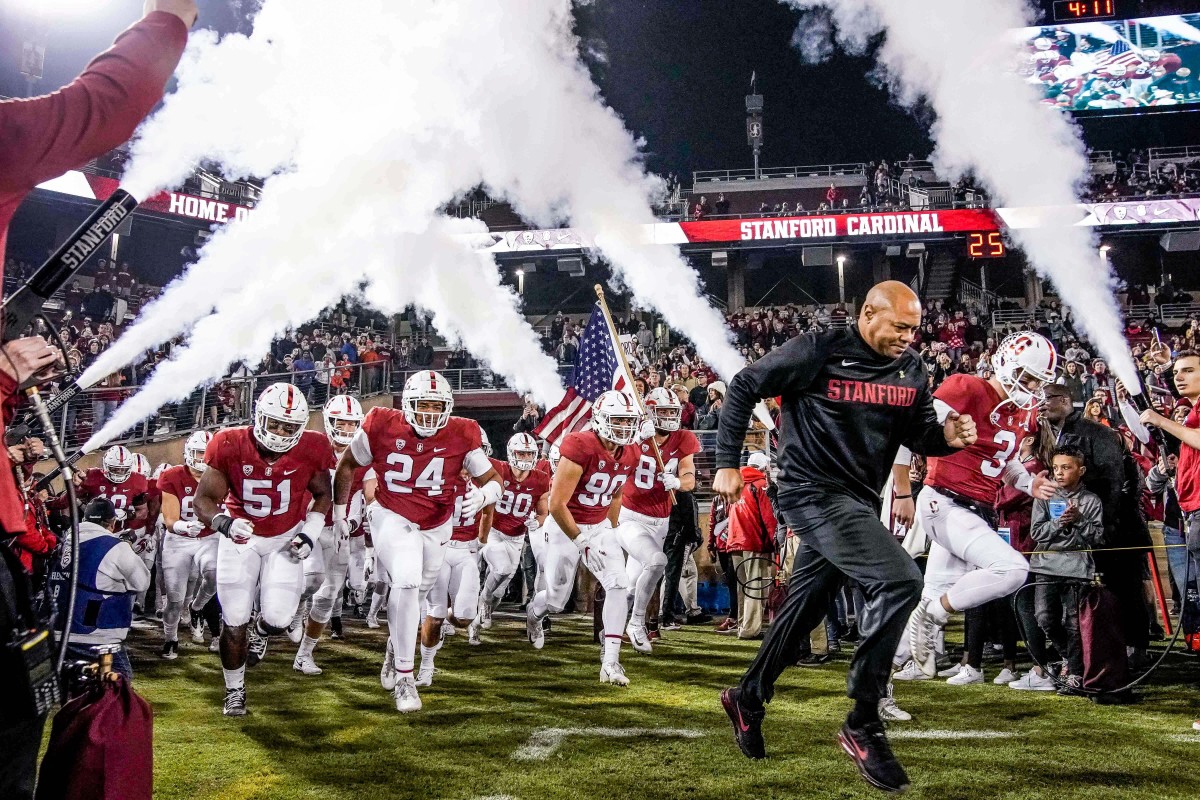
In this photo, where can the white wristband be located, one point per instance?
(339, 513)
(314, 523)
(491, 492)
(182, 528)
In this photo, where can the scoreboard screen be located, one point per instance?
(986, 245)
(1083, 10)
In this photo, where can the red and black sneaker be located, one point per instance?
(872, 754)
(747, 724)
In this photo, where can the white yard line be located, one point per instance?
(544, 742)
(894, 734)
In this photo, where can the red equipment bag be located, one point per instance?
(101, 747)
(1105, 662)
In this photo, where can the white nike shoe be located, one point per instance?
(295, 631)
(889, 711)
(923, 638)
(372, 620)
(966, 676)
(425, 676)
(485, 615)
(910, 672)
(533, 629)
(197, 628)
(950, 672)
(1006, 676)
(387, 675)
(613, 673)
(473, 632)
(1032, 682)
(215, 645)
(306, 665)
(639, 637)
(407, 699)
(448, 629)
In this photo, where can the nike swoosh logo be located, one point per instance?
(288, 471)
(741, 723)
(846, 363)
(439, 449)
(1158, 212)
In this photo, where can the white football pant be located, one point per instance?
(336, 560)
(642, 538)
(457, 581)
(261, 570)
(181, 558)
(408, 560)
(503, 556)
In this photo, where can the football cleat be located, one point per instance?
(295, 631)
(335, 627)
(473, 632)
(485, 616)
(407, 699)
(306, 665)
(923, 638)
(387, 675)
(889, 711)
(747, 724)
(910, 672)
(639, 637)
(448, 629)
(966, 676)
(613, 673)
(170, 650)
(197, 628)
(868, 747)
(235, 702)
(256, 647)
(372, 621)
(425, 676)
(214, 646)
(533, 629)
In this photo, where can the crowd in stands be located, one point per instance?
(1132, 178)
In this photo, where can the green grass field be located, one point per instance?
(339, 736)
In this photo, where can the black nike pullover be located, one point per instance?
(846, 410)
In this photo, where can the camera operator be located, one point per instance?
(41, 138)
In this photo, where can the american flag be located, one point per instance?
(597, 370)
(1120, 53)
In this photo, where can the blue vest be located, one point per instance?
(94, 610)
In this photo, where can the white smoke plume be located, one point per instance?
(960, 58)
(369, 117)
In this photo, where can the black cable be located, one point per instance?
(1098, 692)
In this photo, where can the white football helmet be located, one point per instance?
(1020, 358)
(486, 443)
(141, 465)
(118, 463)
(425, 386)
(615, 417)
(554, 456)
(664, 408)
(522, 452)
(342, 408)
(284, 405)
(160, 469)
(193, 450)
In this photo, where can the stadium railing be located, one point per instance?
(706, 460)
(1160, 156)
(225, 403)
(476, 379)
(767, 173)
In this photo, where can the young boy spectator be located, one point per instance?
(1064, 529)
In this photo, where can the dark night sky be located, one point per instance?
(677, 72)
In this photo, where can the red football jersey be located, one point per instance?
(179, 482)
(976, 471)
(1187, 480)
(603, 474)
(645, 493)
(520, 498)
(271, 494)
(419, 478)
(463, 528)
(134, 490)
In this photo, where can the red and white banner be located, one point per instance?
(841, 226)
(99, 187)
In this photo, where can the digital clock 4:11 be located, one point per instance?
(1067, 10)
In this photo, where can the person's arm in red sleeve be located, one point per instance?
(43, 137)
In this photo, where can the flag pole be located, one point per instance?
(616, 341)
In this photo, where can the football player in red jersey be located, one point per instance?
(265, 475)
(646, 503)
(585, 499)
(187, 546)
(521, 509)
(342, 415)
(418, 454)
(147, 536)
(969, 563)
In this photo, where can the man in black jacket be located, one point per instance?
(850, 399)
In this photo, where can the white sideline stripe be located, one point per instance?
(544, 742)
(1191, 738)
(495, 797)
(949, 735)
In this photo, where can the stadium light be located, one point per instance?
(841, 279)
(1104, 248)
(520, 281)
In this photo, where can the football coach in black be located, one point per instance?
(850, 399)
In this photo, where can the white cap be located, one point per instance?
(759, 461)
